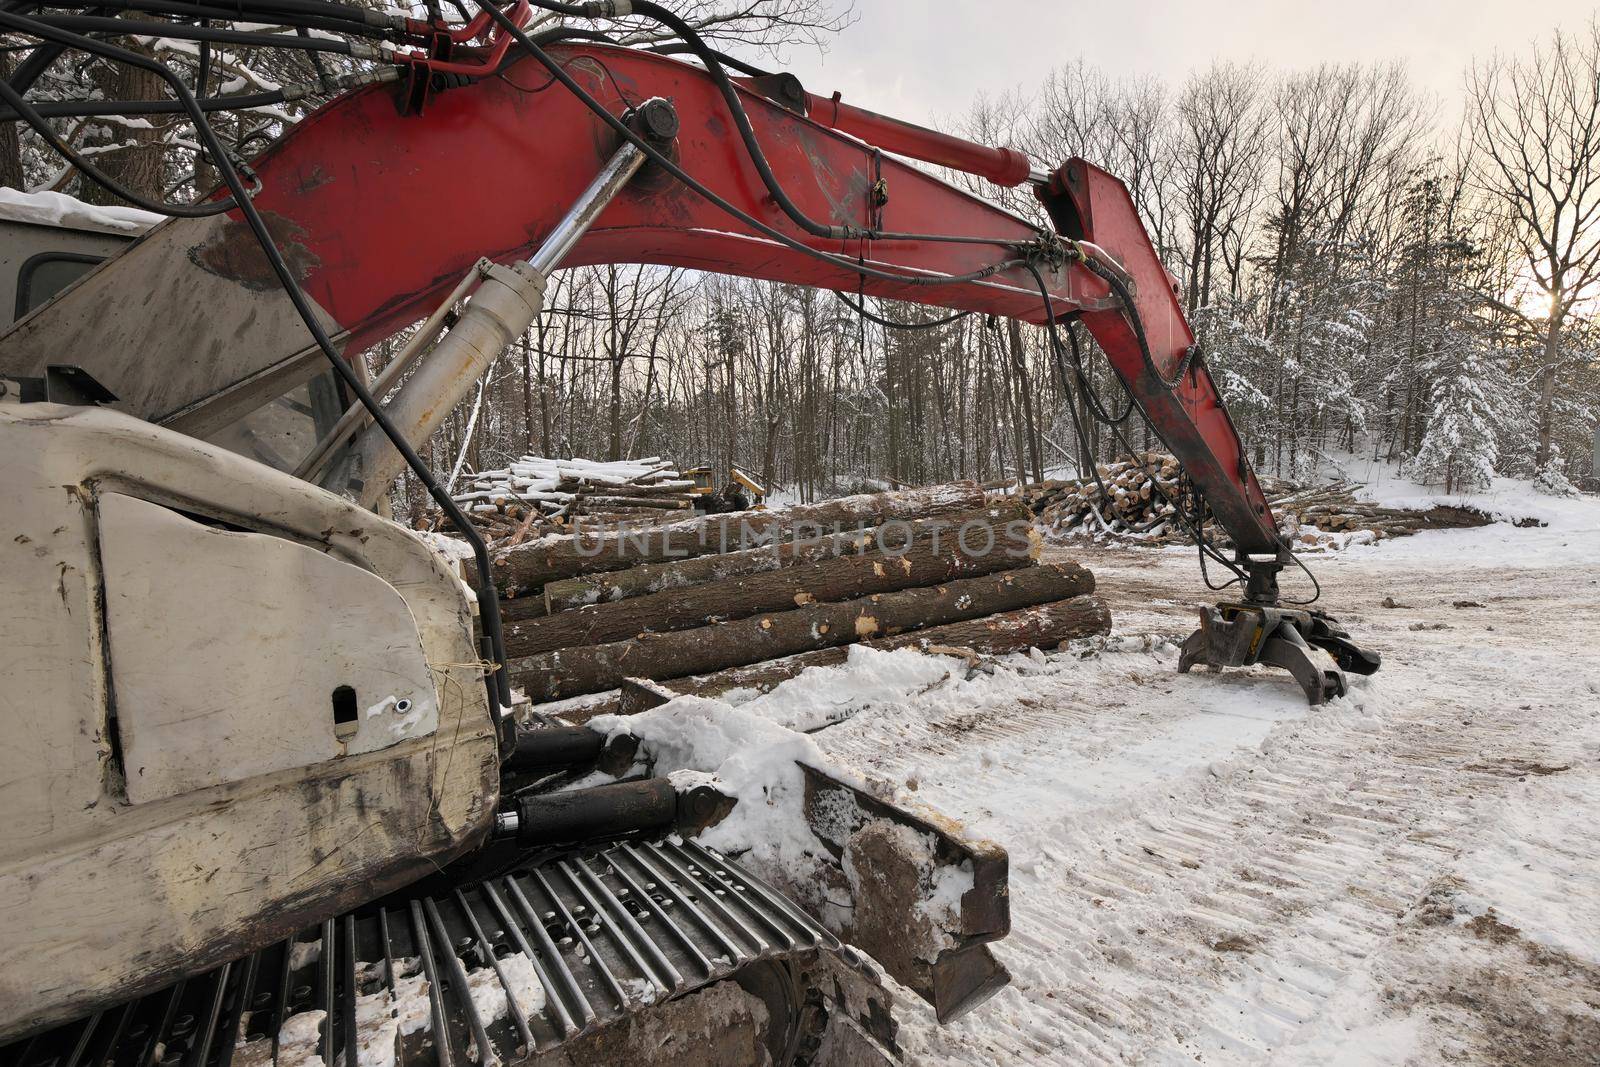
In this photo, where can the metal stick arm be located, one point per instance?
(508, 300)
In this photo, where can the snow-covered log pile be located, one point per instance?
(699, 597)
(1142, 498)
(535, 491)
(1138, 498)
(1331, 516)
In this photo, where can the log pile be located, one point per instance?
(535, 494)
(1327, 517)
(1142, 497)
(1042, 626)
(1139, 498)
(771, 592)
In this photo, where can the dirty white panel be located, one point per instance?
(237, 654)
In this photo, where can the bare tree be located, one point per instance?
(1124, 126)
(767, 25)
(1222, 147)
(1533, 126)
(10, 144)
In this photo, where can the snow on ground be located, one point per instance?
(1571, 532)
(1204, 870)
(1508, 499)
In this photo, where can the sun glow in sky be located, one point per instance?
(1527, 297)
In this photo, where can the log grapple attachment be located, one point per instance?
(1308, 644)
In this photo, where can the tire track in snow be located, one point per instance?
(1210, 907)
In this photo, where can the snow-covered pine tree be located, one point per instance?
(1461, 443)
(1552, 478)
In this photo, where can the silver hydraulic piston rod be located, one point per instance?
(507, 301)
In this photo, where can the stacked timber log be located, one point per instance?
(938, 568)
(534, 494)
(1326, 517)
(1142, 498)
(1139, 497)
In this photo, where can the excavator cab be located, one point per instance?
(47, 242)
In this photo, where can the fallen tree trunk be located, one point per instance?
(1043, 626)
(591, 669)
(648, 578)
(938, 556)
(531, 565)
(649, 503)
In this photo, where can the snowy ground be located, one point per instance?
(1204, 870)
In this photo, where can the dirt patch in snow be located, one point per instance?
(1497, 997)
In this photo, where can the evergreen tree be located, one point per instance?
(1461, 443)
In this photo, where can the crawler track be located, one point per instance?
(489, 972)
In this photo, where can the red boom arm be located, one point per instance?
(381, 212)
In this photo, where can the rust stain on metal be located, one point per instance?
(233, 252)
(314, 178)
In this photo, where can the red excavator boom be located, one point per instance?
(381, 207)
(381, 211)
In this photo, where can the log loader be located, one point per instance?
(268, 796)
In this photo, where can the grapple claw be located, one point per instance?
(1309, 645)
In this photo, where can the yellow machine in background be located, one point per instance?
(739, 492)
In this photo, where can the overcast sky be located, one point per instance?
(918, 59)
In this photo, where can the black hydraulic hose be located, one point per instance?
(1196, 530)
(730, 94)
(555, 35)
(1097, 407)
(39, 60)
(316, 61)
(42, 127)
(1122, 293)
(1197, 527)
(53, 109)
(1055, 342)
(202, 76)
(243, 9)
(741, 120)
(722, 204)
(1316, 586)
(861, 310)
(1064, 383)
(347, 24)
(678, 48)
(182, 32)
(496, 681)
(712, 60)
